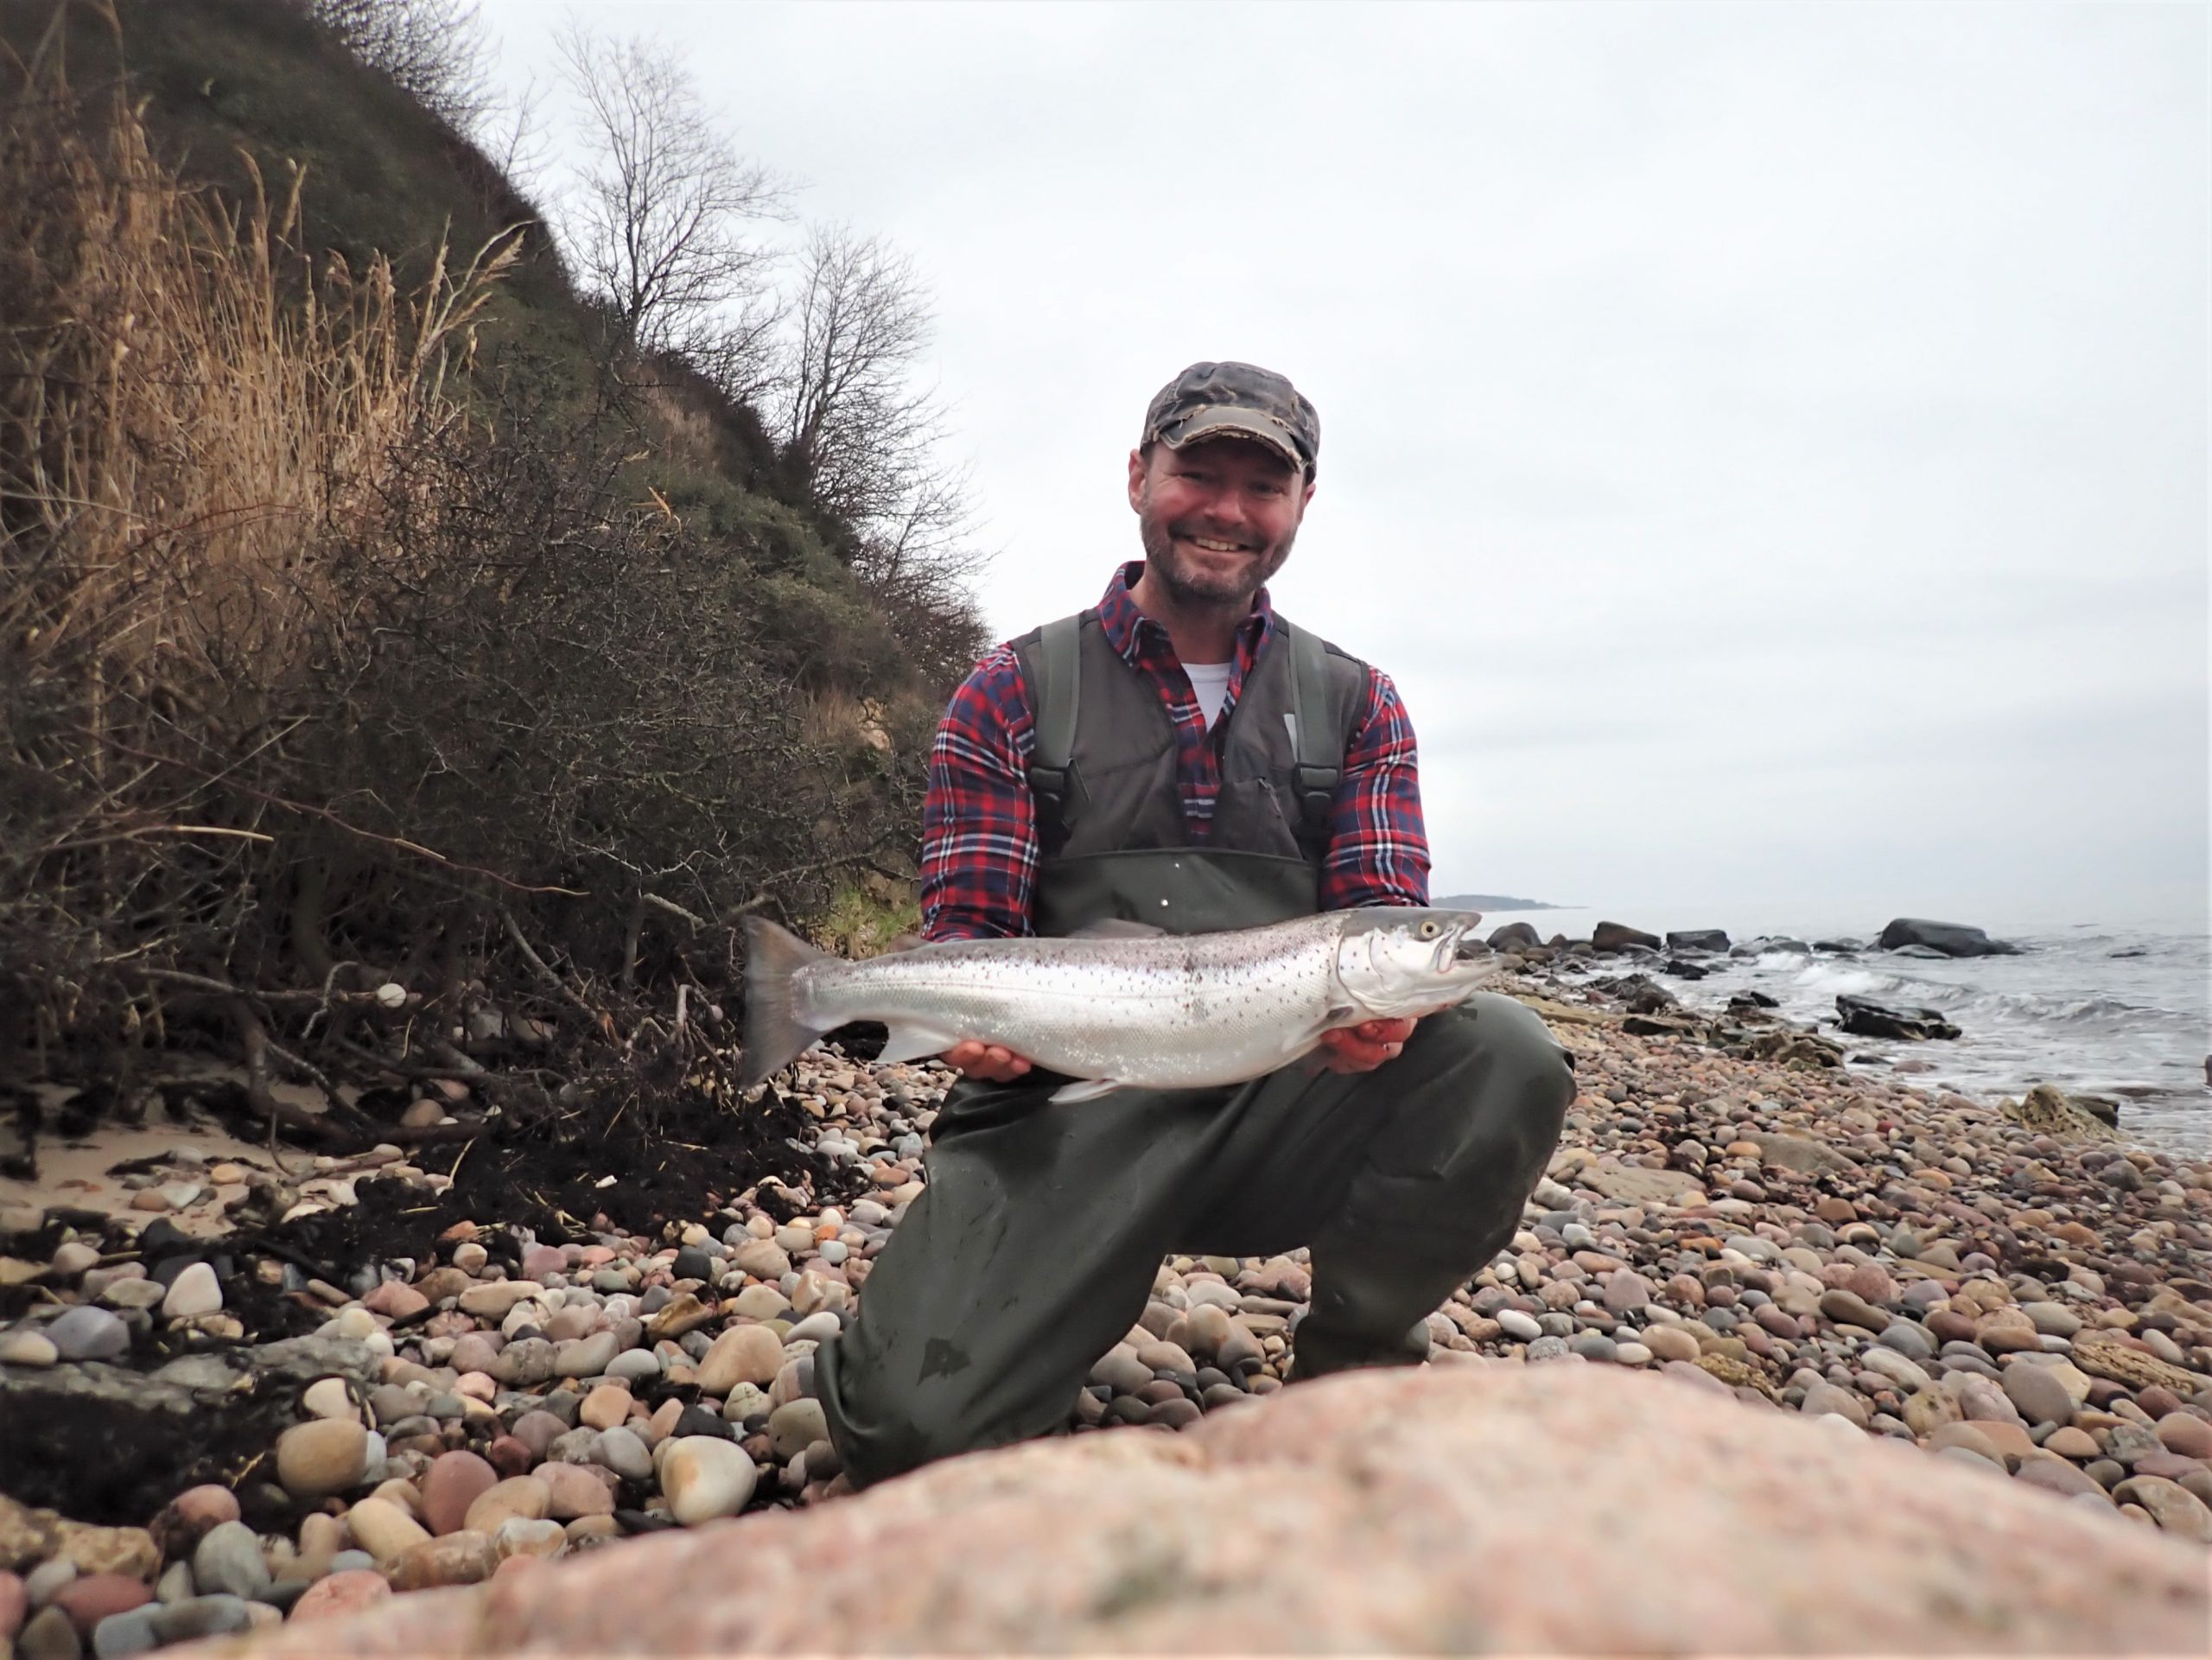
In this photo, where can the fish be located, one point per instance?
(1119, 1005)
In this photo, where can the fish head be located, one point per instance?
(1399, 962)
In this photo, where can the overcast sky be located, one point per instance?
(1766, 444)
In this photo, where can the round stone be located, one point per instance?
(229, 1559)
(28, 1348)
(2038, 1393)
(329, 1397)
(382, 1529)
(574, 1491)
(91, 1598)
(1520, 1327)
(462, 1558)
(453, 1482)
(88, 1333)
(530, 1497)
(327, 1456)
(127, 1633)
(2186, 1434)
(606, 1407)
(192, 1293)
(795, 1423)
(704, 1477)
(621, 1451)
(518, 1535)
(743, 1354)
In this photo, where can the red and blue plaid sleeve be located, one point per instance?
(1378, 845)
(979, 832)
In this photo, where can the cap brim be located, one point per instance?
(1227, 423)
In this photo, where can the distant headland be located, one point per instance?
(1493, 902)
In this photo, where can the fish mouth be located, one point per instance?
(1457, 948)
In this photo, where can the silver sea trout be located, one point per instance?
(1120, 1005)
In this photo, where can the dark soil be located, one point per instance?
(116, 1464)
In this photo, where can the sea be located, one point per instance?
(2097, 1009)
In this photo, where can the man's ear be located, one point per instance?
(1136, 481)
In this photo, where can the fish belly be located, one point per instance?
(1147, 1028)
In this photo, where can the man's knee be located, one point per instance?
(883, 1426)
(1493, 1068)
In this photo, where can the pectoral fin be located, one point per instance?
(1089, 1088)
(910, 1041)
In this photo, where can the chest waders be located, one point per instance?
(1033, 1249)
(1112, 836)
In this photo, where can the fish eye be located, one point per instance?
(1428, 929)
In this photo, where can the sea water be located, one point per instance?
(2095, 1009)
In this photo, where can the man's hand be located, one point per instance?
(986, 1061)
(1363, 1047)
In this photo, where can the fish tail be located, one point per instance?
(774, 1032)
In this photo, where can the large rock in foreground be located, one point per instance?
(1466, 1508)
(1952, 938)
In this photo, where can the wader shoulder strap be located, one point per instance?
(1058, 700)
(1317, 730)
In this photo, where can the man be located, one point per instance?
(1181, 756)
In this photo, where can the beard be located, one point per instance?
(1191, 585)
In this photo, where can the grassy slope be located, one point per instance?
(226, 79)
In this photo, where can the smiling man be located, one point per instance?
(1182, 756)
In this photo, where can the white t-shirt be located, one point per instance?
(1210, 681)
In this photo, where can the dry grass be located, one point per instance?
(186, 406)
(187, 410)
(336, 648)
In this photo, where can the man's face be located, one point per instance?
(1218, 517)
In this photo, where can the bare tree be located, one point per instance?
(657, 222)
(850, 417)
(435, 49)
(511, 138)
(870, 442)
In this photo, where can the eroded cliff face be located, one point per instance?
(1468, 1507)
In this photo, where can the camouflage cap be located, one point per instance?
(1217, 400)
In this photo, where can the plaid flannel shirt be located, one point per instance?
(979, 835)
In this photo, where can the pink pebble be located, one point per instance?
(14, 1603)
(91, 1598)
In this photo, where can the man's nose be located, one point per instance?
(1228, 507)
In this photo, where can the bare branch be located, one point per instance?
(658, 220)
(435, 49)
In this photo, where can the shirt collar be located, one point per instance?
(1130, 631)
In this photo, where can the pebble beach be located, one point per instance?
(2016, 1287)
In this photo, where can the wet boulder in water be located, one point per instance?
(1513, 934)
(1863, 1017)
(1697, 939)
(1766, 943)
(1951, 938)
(1618, 936)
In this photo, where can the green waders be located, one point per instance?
(1034, 1247)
